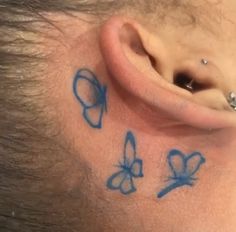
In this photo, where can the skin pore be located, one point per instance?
(137, 64)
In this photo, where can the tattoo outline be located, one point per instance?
(99, 101)
(185, 175)
(131, 167)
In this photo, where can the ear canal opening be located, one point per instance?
(182, 80)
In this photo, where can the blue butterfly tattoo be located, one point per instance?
(92, 97)
(183, 170)
(131, 167)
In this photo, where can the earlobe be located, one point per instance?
(139, 61)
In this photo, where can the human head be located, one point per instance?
(54, 165)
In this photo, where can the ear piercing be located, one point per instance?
(204, 61)
(189, 86)
(232, 95)
(232, 100)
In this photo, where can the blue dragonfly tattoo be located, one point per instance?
(92, 96)
(183, 169)
(130, 168)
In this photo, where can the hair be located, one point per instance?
(33, 164)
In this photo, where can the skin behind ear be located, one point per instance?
(142, 65)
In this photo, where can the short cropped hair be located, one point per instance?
(33, 161)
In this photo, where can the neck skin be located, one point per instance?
(156, 134)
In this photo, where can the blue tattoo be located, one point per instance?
(92, 97)
(131, 167)
(183, 169)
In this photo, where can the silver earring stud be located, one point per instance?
(204, 61)
(189, 85)
(232, 100)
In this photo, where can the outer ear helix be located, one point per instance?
(150, 87)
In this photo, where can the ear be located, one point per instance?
(140, 62)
